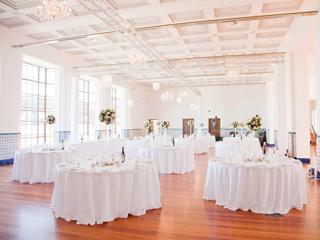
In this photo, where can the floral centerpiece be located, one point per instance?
(235, 125)
(148, 126)
(255, 123)
(107, 116)
(165, 124)
(50, 119)
(190, 123)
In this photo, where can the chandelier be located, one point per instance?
(51, 10)
(166, 96)
(156, 86)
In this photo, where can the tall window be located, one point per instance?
(86, 128)
(118, 106)
(37, 101)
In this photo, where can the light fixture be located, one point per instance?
(179, 100)
(137, 58)
(130, 102)
(183, 93)
(156, 86)
(166, 96)
(51, 10)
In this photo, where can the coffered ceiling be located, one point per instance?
(204, 42)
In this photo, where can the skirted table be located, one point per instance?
(260, 187)
(170, 159)
(94, 196)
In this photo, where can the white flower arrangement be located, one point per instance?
(165, 124)
(107, 116)
(190, 123)
(50, 119)
(255, 123)
(147, 124)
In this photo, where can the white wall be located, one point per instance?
(10, 81)
(146, 105)
(10, 72)
(230, 103)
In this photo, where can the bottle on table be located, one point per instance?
(123, 155)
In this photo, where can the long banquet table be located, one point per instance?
(99, 195)
(260, 187)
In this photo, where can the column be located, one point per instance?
(300, 93)
(269, 122)
(317, 76)
(281, 113)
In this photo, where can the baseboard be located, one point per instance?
(6, 161)
(303, 160)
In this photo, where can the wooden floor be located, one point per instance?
(25, 214)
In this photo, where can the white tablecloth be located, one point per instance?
(178, 159)
(201, 144)
(40, 166)
(37, 167)
(133, 146)
(245, 148)
(106, 147)
(261, 188)
(91, 197)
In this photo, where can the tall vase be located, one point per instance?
(109, 131)
(165, 131)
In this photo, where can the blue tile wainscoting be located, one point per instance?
(62, 136)
(9, 144)
(303, 160)
(292, 148)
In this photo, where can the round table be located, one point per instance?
(201, 144)
(38, 166)
(92, 196)
(248, 147)
(260, 187)
(178, 159)
(106, 147)
(133, 146)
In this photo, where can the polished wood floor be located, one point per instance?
(25, 214)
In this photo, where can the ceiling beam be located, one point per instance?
(223, 57)
(177, 24)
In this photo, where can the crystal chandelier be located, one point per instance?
(51, 10)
